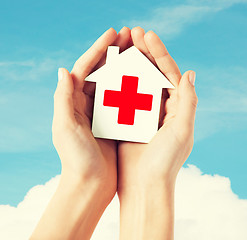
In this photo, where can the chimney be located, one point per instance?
(112, 53)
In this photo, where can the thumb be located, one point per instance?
(187, 103)
(63, 98)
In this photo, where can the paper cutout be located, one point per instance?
(127, 96)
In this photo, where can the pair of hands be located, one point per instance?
(123, 166)
(84, 156)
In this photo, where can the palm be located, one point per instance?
(98, 154)
(96, 148)
(129, 152)
(135, 158)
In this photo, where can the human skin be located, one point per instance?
(88, 179)
(147, 172)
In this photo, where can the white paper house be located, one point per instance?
(127, 96)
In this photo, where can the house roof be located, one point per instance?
(130, 62)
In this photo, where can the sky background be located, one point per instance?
(37, 37)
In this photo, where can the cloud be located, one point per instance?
(37, 68)
(206, 208)
(26, 118)
(222, 102)
(26, 114)
(18, 223)
(27, 86)
(169, 21)
(217, 4)
(26, 100)
(28, 63)
(222, 93)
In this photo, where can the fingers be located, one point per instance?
(63, 100)
(123, 38)
(130, 43)
(91, 57)
(164, 61)
(137, 35)
(122, 41)
(187, 103)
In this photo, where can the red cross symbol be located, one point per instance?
(128, 100)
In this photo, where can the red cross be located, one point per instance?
(128, 100)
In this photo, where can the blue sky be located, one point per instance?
(38, 37)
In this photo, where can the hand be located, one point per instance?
(147, 172)
(89, 174)
(165, 154)
(82, 156)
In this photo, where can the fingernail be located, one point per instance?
(124, 27)
(60, 74)
(111, 28)
(192, 77)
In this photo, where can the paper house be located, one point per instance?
(127, 96)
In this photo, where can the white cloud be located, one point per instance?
(26, 118)
(26, 114)
(206, 208)
(27, 86)
(18, 223)
(169, 21)
(28, 63)
(218, 4)
(35, 69)
(222, 100)
(221, 91)
(26, 100)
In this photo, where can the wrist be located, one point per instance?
(147, 188)
(143, 185)
(72, 183)
(147, 212)
(90, 186)
(75, 208)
